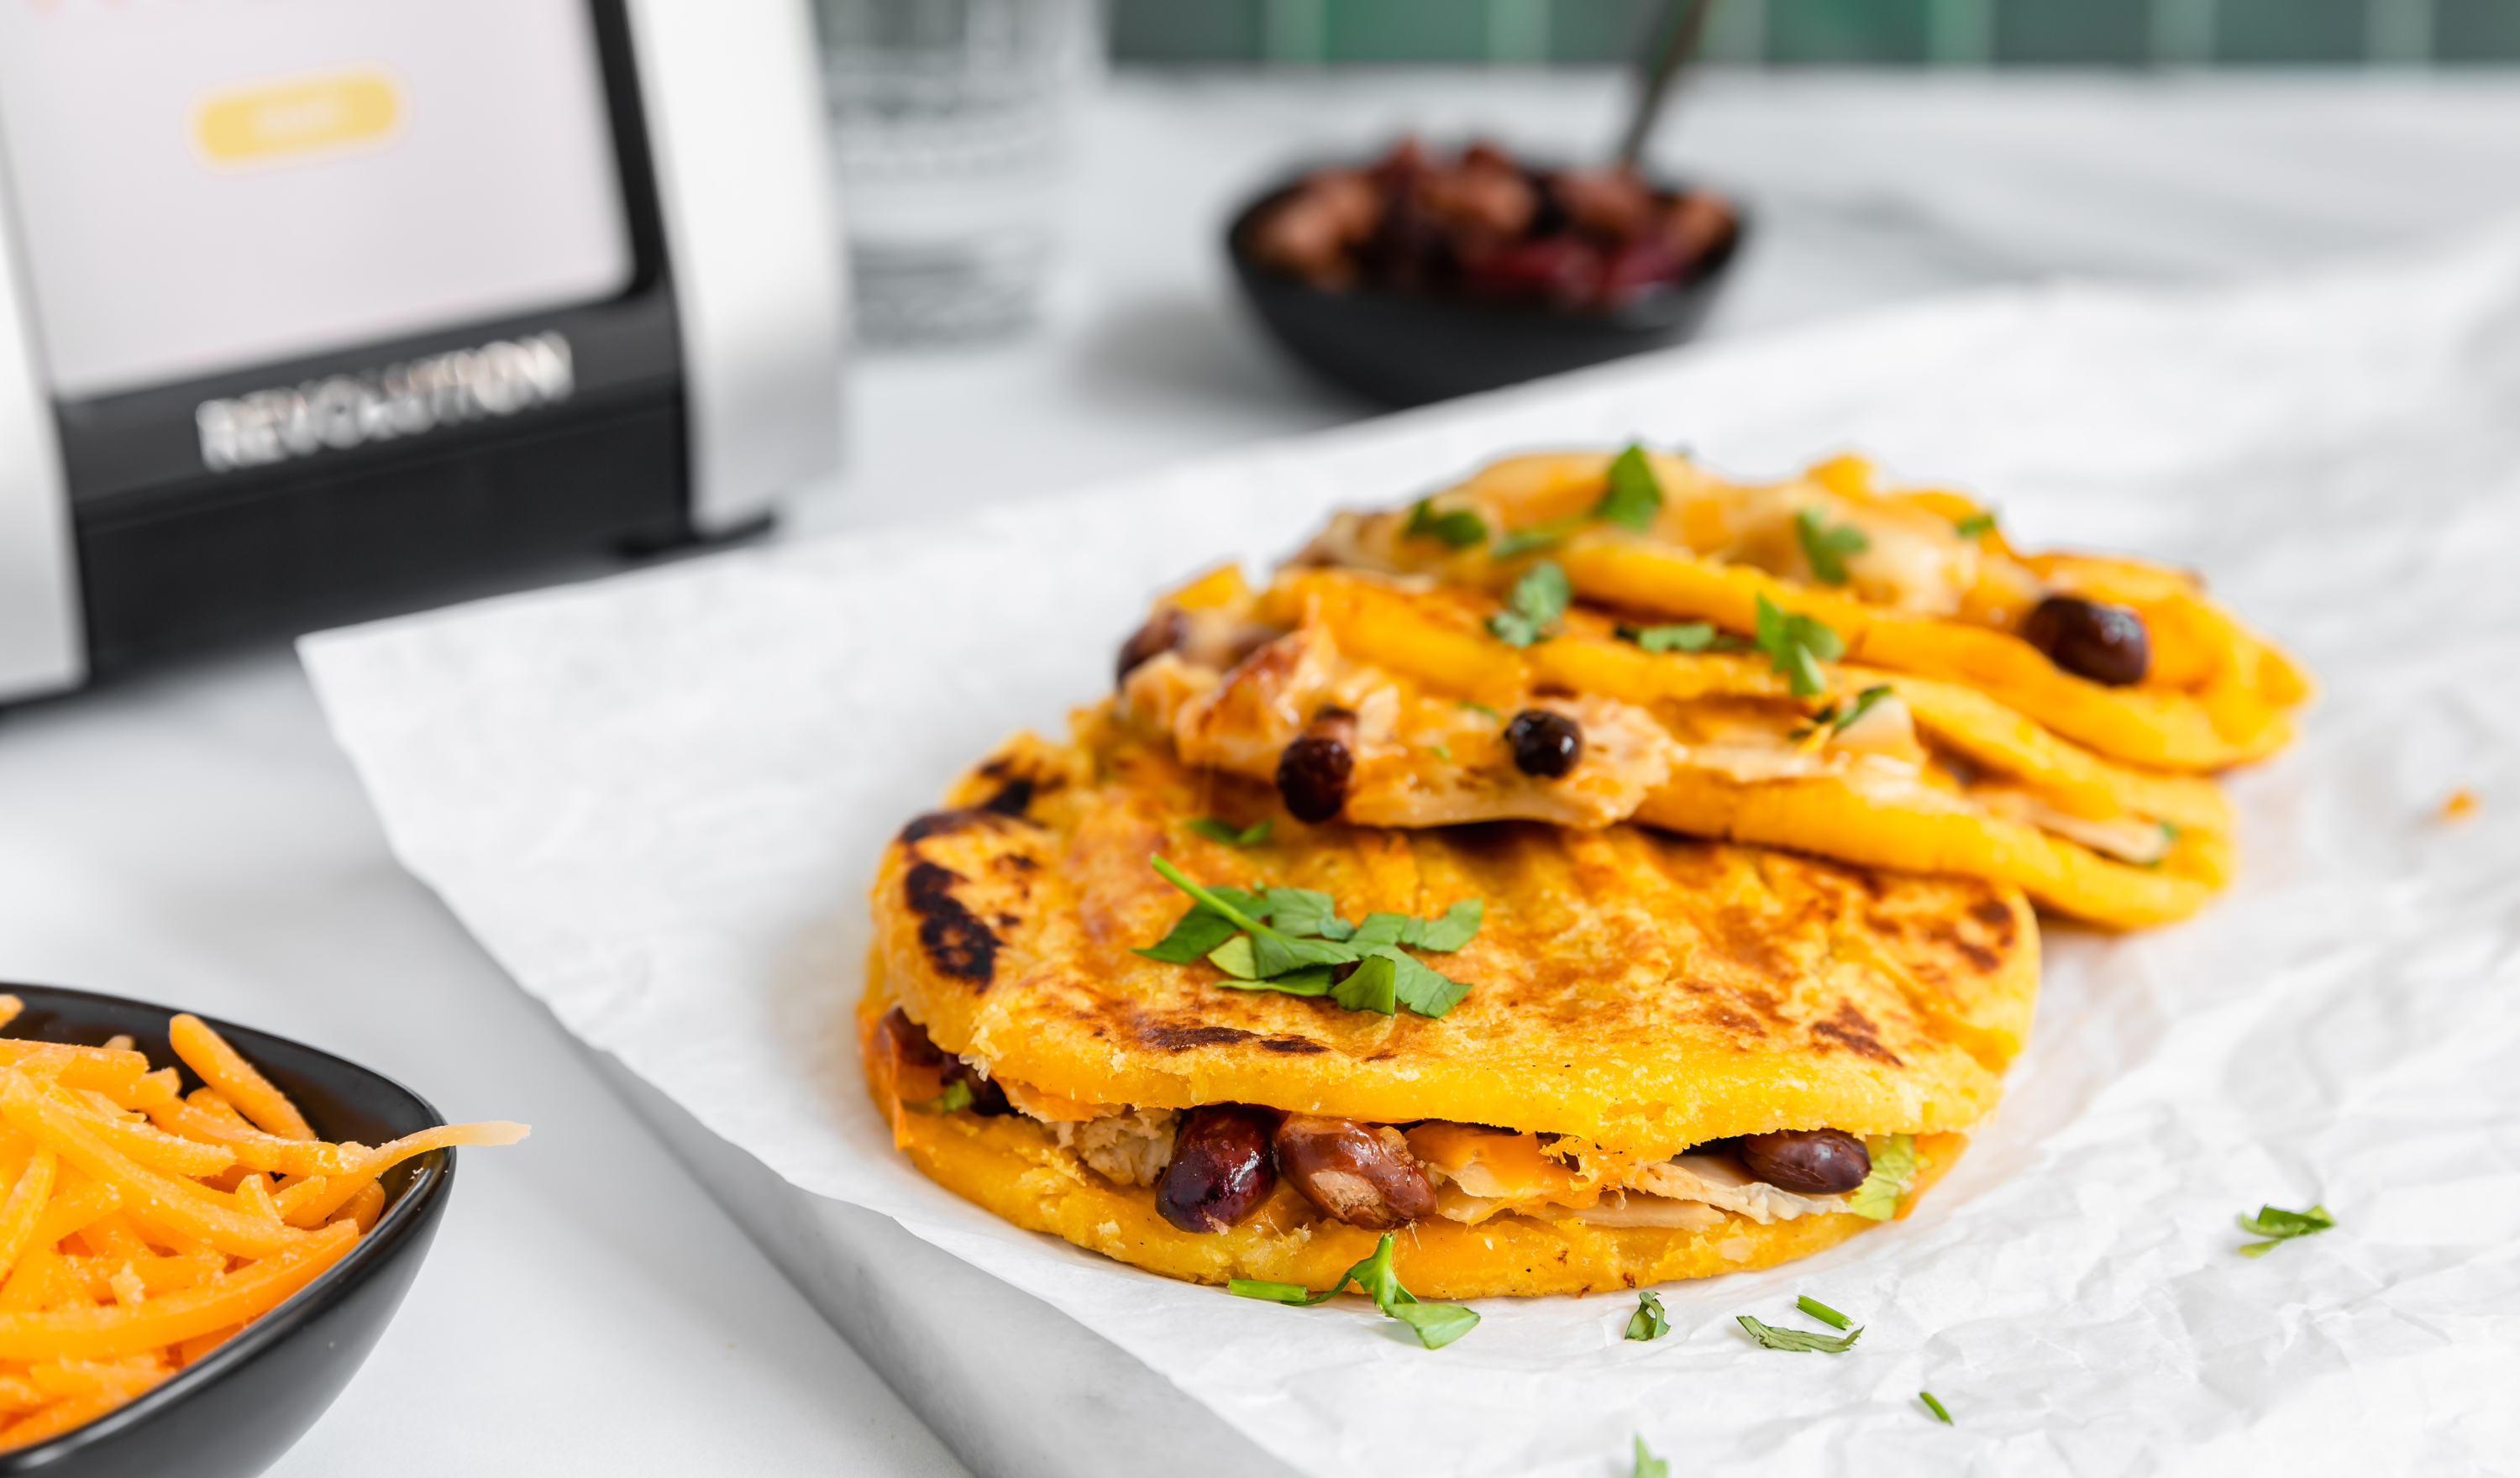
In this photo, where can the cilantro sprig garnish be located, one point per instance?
(1292, 941)
(1631, 500)
(1217, 828)
(1457, 528)
(1837, 718)
(1894, 1169)
(1635, 493)
(1974, 526)
(1649, 1322)
(1796, 645)
(1685, 635)
(1540, 598)
(2278, 1225)
(1800, 1341)
(1828, 548)
(1523, 541)
(1437, 1324)
(1936, 1406)
(1648, 1465)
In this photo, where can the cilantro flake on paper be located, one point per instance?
(1457, 528)
(1936, 1406)
(2278, 1225)
(1894, 1170)
(1799, 1341)
(1649, 1322)
(1436, 1324)
(1822, 1312)
(1215, 829)
(1648, 1465)
(1292, 941)
(1540, 598)
(1633, 495)
(1827, 548)
(1796, 645)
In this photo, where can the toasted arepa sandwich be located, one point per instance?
(2128, 660)
(1138, 1004)
(1434, 709)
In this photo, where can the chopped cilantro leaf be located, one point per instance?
(1380, 928)
(1437, 1324)
(1459, 528)
(1648, 1465)
(1199, 931)
(1649, 1322)
(1828, 548)
(1799, 1341)
(1481, 709)
(2278, 1225)
(1523, 541)
(1894, 1167)
(1421, 987)
(1635, 494)
(1371, 987)
(1215, 829)
(1458, 927)
(1302, 952)
(956, 1098)
(1935, 1406)
(1442, 753)
(1688, 636)
(1796, 645)
(1234, 956)
(1539, 599)
(1974, 526)
(1822, 1312)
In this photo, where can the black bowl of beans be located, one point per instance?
(1419, 278)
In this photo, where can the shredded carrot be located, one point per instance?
(141, 1228)
(220, 1065)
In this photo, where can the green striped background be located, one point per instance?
(1804, 32)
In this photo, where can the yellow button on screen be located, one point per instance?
(279, 121)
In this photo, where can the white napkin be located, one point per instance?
(657, 801)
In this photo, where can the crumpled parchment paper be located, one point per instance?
(657, 801)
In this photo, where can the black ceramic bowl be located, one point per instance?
(1404, 349)
(235, 1411)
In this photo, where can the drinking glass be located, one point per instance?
(950, 122)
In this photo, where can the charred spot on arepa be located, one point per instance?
(956, 942)
(1852, 1030)
(1174, 1037)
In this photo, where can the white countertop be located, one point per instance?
(193, 836)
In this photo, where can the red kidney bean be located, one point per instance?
(1353, 1172)
(1221, 1167)
(1813, 1161)
(1313, 772)
(2091, 639)
(1546, 743)
(1165, 630)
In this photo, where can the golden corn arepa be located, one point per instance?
(1942, 779)
(1633, 991)
(1919, 596)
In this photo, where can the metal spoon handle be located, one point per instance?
(1673, 42)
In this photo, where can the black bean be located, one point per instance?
(1221, 1167)
(1545, 743)
(1813, 1161)
(2091, 639)
(1313, 772)
(1352, 1172)
(1165, 630)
